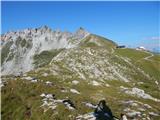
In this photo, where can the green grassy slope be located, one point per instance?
(20, 94)
(101, 55)
(150, 66)
(45, 57)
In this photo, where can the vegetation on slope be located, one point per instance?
(45, 57)
(21, 96)
(150, 66)
(97, 41)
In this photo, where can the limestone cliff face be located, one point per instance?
(19, 48)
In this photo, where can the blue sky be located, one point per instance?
(128, 23)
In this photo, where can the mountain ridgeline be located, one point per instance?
(21, 49)
(81, 67)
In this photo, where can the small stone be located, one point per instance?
(95, 83)
(69, 104)
(43, 95)
(133, 114)
(75, 82)
(45, 74)
(74, 91)
(90, 105)
(49, 96)
(48, 83)
(28, 78)
(153, 114)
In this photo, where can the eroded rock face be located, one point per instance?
(19, 48)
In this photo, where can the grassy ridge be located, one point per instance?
(20, 94)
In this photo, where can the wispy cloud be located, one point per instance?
(153, 38)
(150, 42)
(150, 45)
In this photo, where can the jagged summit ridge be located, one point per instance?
(35, 32)
(19, 48)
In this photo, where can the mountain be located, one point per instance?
(20, 48)
(66, 74)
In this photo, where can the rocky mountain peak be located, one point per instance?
(20, 47)
(81, 32)
(44, 28)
